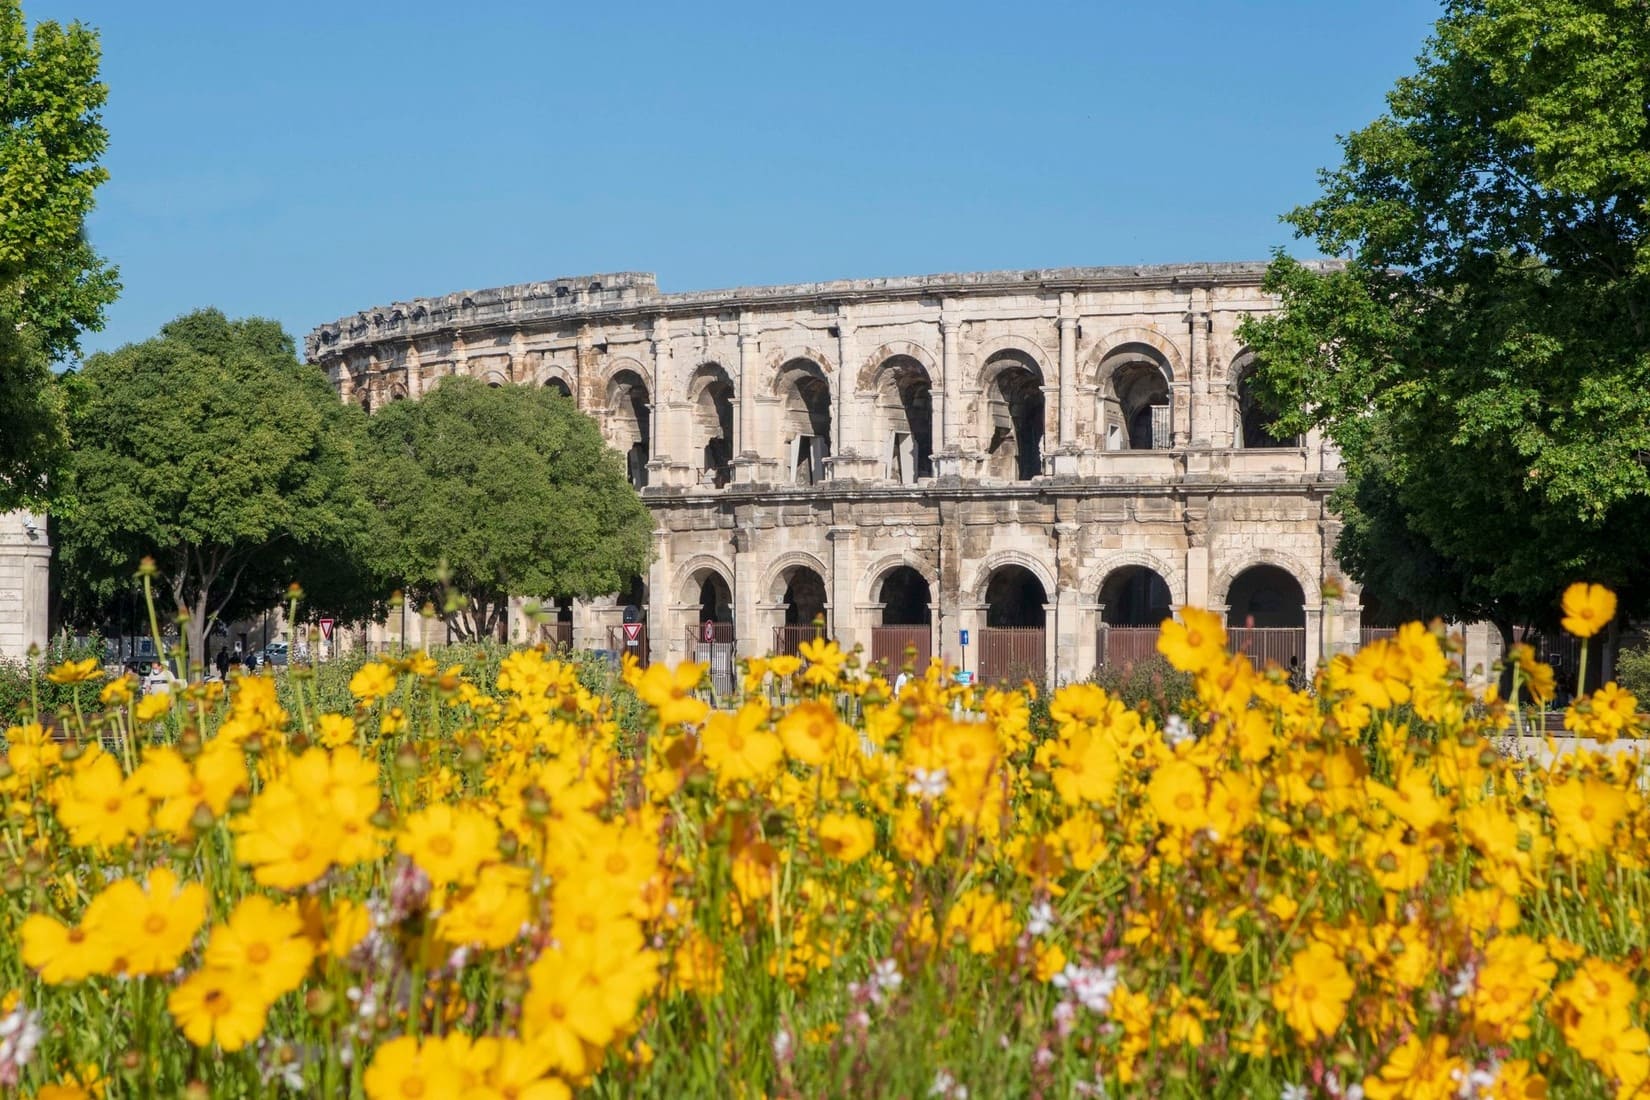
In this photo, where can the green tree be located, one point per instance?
(1482, 356)
(53, 286)
(214, 451)
(491, 492)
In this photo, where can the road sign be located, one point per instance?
(964, 676)
(707, 632)
(326, 629)
(963, 637)
(632, 633)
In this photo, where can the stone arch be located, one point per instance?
(1251, 424)
(1135, 596)
(996, 560)
(1134, 397)
(398, 392)
(805, 416)
(775, 577)
(988, 349)
(866, 381)
(560, 378)
(1174, 365)
(879, 570)
(621, 364)
(494, 377)
(1311, 592)
(1172, 575)
(783, 357)
(714, 398)
(1014, 415)
(629, 407)
(692, 573)
(902, 414)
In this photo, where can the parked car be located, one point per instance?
(273, 654)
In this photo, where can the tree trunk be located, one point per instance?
(196, 637)
(1504, 682)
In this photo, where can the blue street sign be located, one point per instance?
(964, 635)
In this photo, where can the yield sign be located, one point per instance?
(632, 633)
(326, 629)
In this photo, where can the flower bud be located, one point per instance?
(406, 761)
(318, 1002)
(239, 801)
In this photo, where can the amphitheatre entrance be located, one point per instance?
(1266, 617)
(907, 622)
(1013, 642)
(1134, 601)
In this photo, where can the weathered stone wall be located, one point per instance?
(25, 555)
(850, 428)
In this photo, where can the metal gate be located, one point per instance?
(889, 643)
(557, 635)
(1010, 654)
(711, 644)
(1270, 645)
(788, 639)
(1121, 646)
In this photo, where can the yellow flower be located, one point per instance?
(809, 732)
(373, 682)
(737, 747)
(402, 1069)
(153, 706)
(214, 1005)
(1586, 812)
(846, 837)
(62, 953)
(1196, 643)
(492, 914)
(101, 807)
(449, 843)
(1179, 796)
(263, 943)
(824, 661)
(76, 672)
(285, 841)
(1313, 992)
(148, 927)
(669, 691)
(117, 692)
(1588, 608)
(1417, 1070)
(336, 730)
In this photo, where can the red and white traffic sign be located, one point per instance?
(326, 629)
(632, 633)
(708, 631)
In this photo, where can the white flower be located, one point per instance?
(1177, 731)
(925, 784)
(1476, 1082)
(783, 1045)
(1293, 1092)
(885, 976)
(1466, 980)
(947, 1087)
(1089, 986)
(1040, 921)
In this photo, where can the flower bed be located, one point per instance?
(491, 889)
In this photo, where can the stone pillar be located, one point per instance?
(1068, 369)
(847, 436)
(753, 631)
(1314, 638)
(749, 367)
(660, 598)
(1065, 663)
(25, 554)
(1197, 576)
(843, 626)
(951, 384)
(667, 430)
(947, 594)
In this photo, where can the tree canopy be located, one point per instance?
(53, 286)
(497, 491)
(1482, 358)
(213, 450)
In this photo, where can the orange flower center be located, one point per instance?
(258, 953)
(154, 924)
(1184, 801)
(300, 852)
(736, 743)
(441, 845)
(412, 1086)
(112, 805)
(1307, 992)
(216, 1003)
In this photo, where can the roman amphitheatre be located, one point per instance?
(1045, 460)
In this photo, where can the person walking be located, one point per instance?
(223, 664)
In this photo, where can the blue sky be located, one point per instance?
(305, 160)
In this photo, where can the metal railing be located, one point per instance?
(788, 639)
(1270, 645)
(1010, 654)
(889, 645)
(1121, 646)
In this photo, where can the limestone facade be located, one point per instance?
(1071, 448)
(25, 557)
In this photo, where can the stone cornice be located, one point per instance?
(633, 295)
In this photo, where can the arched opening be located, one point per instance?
(559, 386)
(712, 395)
(805, 420)
(1254, 420)
(1136, 400)
(630, 423)
(1012, 643)
(804, 599)
(906, 633)
(1134, 601)
(1135, 596)
(715, 599)
(1014, 597)
(905, 414)
(1014, 446)
(558, 630)
(1266, 617)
